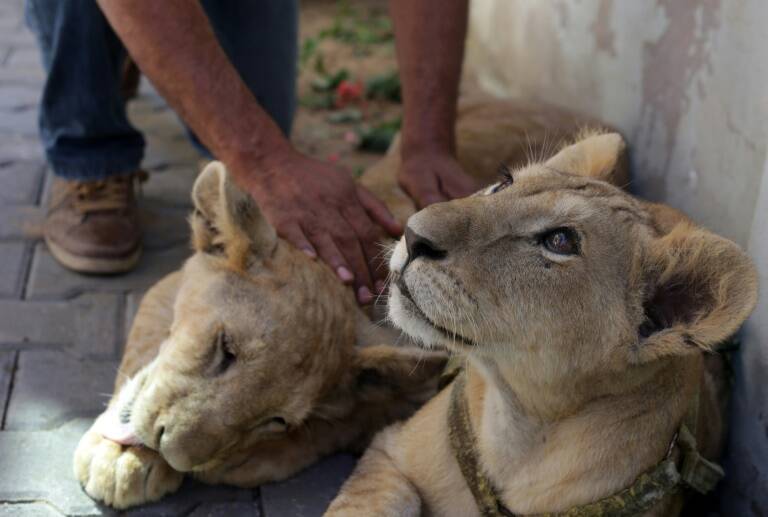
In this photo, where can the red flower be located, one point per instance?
(348, 92)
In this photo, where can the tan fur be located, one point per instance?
(580, 367)
(293, 328)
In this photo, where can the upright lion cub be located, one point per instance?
(583, 315)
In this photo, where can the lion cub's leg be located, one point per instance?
(377, 487)
(122, 476)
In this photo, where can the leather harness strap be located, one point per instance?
(465, 450)
(647, 490)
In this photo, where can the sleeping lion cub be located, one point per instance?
(242, 367)
(583, 315)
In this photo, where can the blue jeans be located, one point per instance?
(83, 122)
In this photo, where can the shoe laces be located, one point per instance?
(104, 195)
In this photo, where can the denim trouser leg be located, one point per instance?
(83, 123)
(261, 40)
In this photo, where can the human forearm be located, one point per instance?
(174, 45)
(430, 49)
(315, 206)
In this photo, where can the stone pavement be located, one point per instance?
(61, 333)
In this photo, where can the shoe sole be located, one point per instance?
(97, 266)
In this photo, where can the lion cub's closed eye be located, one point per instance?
(224, 349)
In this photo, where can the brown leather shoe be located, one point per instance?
(93, 226)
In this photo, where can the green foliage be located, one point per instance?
(329, 82)
(354, 28)
(324, 100)
(308, 50)
(385, 87)
(378, 138)
(345, 116)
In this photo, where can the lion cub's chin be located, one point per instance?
(402, 315)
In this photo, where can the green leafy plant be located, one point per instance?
(385, 87)
(328, 82)
(378, 138)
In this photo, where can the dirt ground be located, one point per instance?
(352, 36)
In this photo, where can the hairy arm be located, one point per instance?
(315, 206)
(430, 48)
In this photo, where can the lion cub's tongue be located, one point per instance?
(113, 429)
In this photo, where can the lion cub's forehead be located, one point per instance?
(208, 282)
(568, 196)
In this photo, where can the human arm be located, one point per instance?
(430, 48)
(314, 205)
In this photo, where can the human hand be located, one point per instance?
(432, 176)
(319, 209)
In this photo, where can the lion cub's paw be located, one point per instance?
(122, 476)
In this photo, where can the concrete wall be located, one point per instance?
(687, 83)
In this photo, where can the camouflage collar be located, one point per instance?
(648, 489)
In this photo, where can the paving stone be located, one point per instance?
(48, 279)
(174, 151)
(86, 326)
(154, 116)
(226, 509)
(18, 97)
(5, 53)
(28, 510)
(19, 122)
(24, 57)
(310, 492)
(132, 302)
(51, 388)
(7, 362)
(20, 181)
(164, 226)
(198, 496)
(21, 222)
(37, 466)
(171, 186)
(17, 39)
(10, 22)
(29, 75)
(13, 258)
(15, 147)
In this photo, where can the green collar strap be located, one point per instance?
(648, 489)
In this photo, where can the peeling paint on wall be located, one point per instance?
(601, 28)
(672, 63)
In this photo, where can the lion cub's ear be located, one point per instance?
(396, 379)
(600, 156)
(226, 220)
(701, 288)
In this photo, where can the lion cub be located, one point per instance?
(243, 367)
(583, 315)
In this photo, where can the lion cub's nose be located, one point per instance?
(419, 246)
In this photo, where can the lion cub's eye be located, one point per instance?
(275, 425)
(563, 241)
(226, 351)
